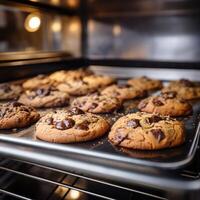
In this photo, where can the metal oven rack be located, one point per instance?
(31, 181)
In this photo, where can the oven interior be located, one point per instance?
(69, 34)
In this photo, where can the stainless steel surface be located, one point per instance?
(157, 73)
(99, 163)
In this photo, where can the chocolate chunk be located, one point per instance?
(169, 95)
(76, 111)
(142, 104)
(120, 136)
(49, 121)
(69, 123)
(157, 102)
(158, 134)
(43, 92)
(186, 82)
(154, 119)
(83, 126)
(60, 125)
(133, 123)
(16, 104)
(93, 106)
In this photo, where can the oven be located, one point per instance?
(159, 39)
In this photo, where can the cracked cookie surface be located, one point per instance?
(97, 103)
(9, 91)
(145, 83)
(44, 97)
(17, 115)
(147, 132)
(70, 126)
(185, 89)
(167, 103)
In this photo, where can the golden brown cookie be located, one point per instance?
(185, 89)
(70, 126)
(123, 92)
(44, 97)
(165, 104)
(76, 87)
(36, 82)
(9, 91)
(147, 132)
(99, 80)
(96, 103)
(65, 75)
(17, 115)
(145, 83)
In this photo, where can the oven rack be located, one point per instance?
(67, 183)
(14, 167)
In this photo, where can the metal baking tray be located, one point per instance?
(101, 149)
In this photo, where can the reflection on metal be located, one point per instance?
(91, 25)
(117, 30)
(55, 2)
(73, 3)
(74, 194)
(32, 22)
(74, 26)
(56, 25)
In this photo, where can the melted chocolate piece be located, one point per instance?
(169, 95)
(186, 83)
(60, 125)
(83, 126)
(157, 102)
(93, 106)
(133, 123)
(43, 91)
(120, 136)
(154, 119)
(158, 134)
(76, 111)
(16, 104)
(143, 104)
(69, 123)
(49, 121)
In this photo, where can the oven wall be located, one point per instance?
(144, 30)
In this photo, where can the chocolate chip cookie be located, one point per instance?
(145, 83)
(76, 87)
(167, 103)
(70, 126)
(123, 92)
(9, 91)
(99, 81)
(44, 97)
(36, 82)
(185, 89)
(65, 75)
(97, 103)
(147, 132)
(17, 115)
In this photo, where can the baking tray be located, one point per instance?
(101, 149)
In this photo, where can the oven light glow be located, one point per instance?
(117, 30)
(32, 22)
(74, 194)
(72, 3)
(56, 2)
(56, 26)
(74, 27)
